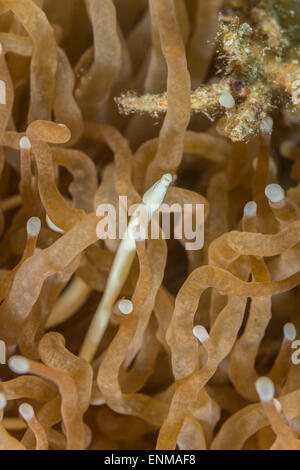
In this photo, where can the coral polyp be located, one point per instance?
(259, 64)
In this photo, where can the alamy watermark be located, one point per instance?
(152, 221)
(2, 352)
(296, 354)
(2, 92)
(296, 92)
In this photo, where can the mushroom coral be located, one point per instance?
(137, 342)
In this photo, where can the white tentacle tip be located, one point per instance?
(2, 401)
(154, 196)
(26, 411)
(265, 389)
(289, 331)
(33, 226)
(227, 100)
(200, 333)
(166, 179)
(125, 306)
(274, 192)
(250, 209)
(25, 143)
(266, 125)
(18, 364)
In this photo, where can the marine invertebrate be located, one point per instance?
(260, 71)
(123, 260)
